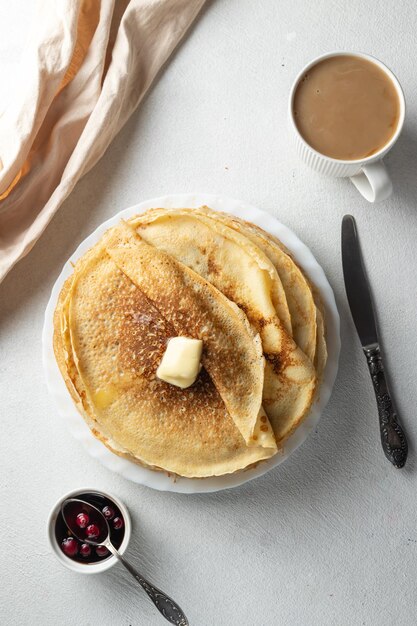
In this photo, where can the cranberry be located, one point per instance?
(108, 512)
(101, 551)
(69, 546)
(93, 531)
(85, 550)
(118, 523)
(82, 520)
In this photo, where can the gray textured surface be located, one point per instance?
(330, 537)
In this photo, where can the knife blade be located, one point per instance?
(356, 284)
(393, 439)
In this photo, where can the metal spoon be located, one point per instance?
(70, 508)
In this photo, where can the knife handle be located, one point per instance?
(393, 439)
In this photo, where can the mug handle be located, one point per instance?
(373, 182)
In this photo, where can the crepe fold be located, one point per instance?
(114, 317)
(251, 273)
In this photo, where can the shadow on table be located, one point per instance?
(402, 165)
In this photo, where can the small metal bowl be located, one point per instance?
(87, 568)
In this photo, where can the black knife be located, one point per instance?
(393, 439)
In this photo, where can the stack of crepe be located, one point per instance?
(206, 275)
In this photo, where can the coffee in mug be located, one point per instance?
(346, 107)
(346, 111)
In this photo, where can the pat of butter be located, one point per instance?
(104, 397)
(180, 364)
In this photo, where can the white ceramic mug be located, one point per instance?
(369, 175)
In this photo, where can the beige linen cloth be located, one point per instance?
(86, 67)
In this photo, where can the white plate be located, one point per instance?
(159, 480)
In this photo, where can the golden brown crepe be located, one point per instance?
(202, 274)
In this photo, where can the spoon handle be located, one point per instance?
(165, 605)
